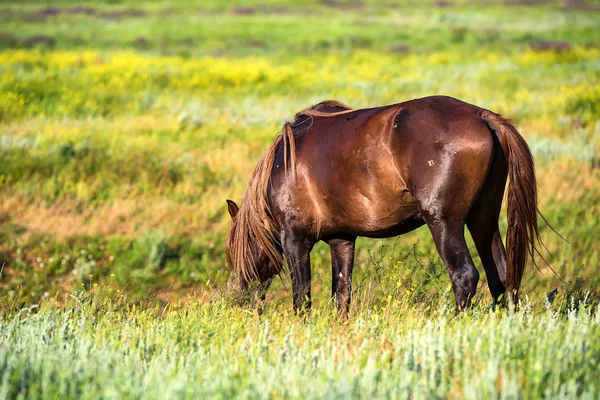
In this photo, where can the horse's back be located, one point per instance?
(402, 133)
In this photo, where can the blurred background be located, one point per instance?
(124, 126)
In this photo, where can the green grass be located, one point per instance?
(125, 125)
(102, 348)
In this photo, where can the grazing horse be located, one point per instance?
(336, 173)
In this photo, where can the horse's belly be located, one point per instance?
(396, 230)
(384, 215)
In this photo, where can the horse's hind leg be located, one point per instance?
(445, 213)
(450, 241)
(482, 222)
(486, 236)
(445, 191)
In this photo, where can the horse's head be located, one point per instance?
(248, 259)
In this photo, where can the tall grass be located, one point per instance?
(99, 348)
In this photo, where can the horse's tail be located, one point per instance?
(522, 235)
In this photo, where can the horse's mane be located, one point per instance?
(254, 222)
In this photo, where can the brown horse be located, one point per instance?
(336, 173)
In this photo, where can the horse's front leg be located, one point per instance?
(342, 262)
(297, 253)
(261, 295)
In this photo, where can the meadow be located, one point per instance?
(124, 126)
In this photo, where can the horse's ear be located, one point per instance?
(232, 208)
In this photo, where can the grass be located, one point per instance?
(218, 351)
(124, 126)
